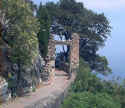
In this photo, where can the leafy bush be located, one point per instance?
(99, 92)
(86, 81)
(21, 34)
(90, 100)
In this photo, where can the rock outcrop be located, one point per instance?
(30, 74)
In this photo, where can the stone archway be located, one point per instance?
(49, 69)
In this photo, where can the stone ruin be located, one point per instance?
(49, 69)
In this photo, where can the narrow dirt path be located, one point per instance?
(58, 83)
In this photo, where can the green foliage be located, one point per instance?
(99, 92)
(93, 29)
(86, 81)
(21, 34)
(116, 90)
(43, 35)
(101, 65)
(90, 100)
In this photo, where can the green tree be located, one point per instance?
(21, 32)
(69, 16)
(43, 35)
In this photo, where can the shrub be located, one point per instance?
(90, 100)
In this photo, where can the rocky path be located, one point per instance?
(58, 84)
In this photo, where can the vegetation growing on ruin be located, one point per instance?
(26, 30)
(68, 16)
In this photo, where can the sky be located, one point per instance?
(114, 50)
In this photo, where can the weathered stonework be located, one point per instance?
(74, 55)
(48, 71)
(53, 101)
(49, 61)
(49, 68)
(30, 74)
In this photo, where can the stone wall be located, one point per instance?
(30, 74)
(74, 55)
(54, 100)
(46, 72)
(49, 67)
(50, 59)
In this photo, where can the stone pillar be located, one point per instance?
(49, 69)
(74, 55)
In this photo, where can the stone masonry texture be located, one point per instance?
(50, 59)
